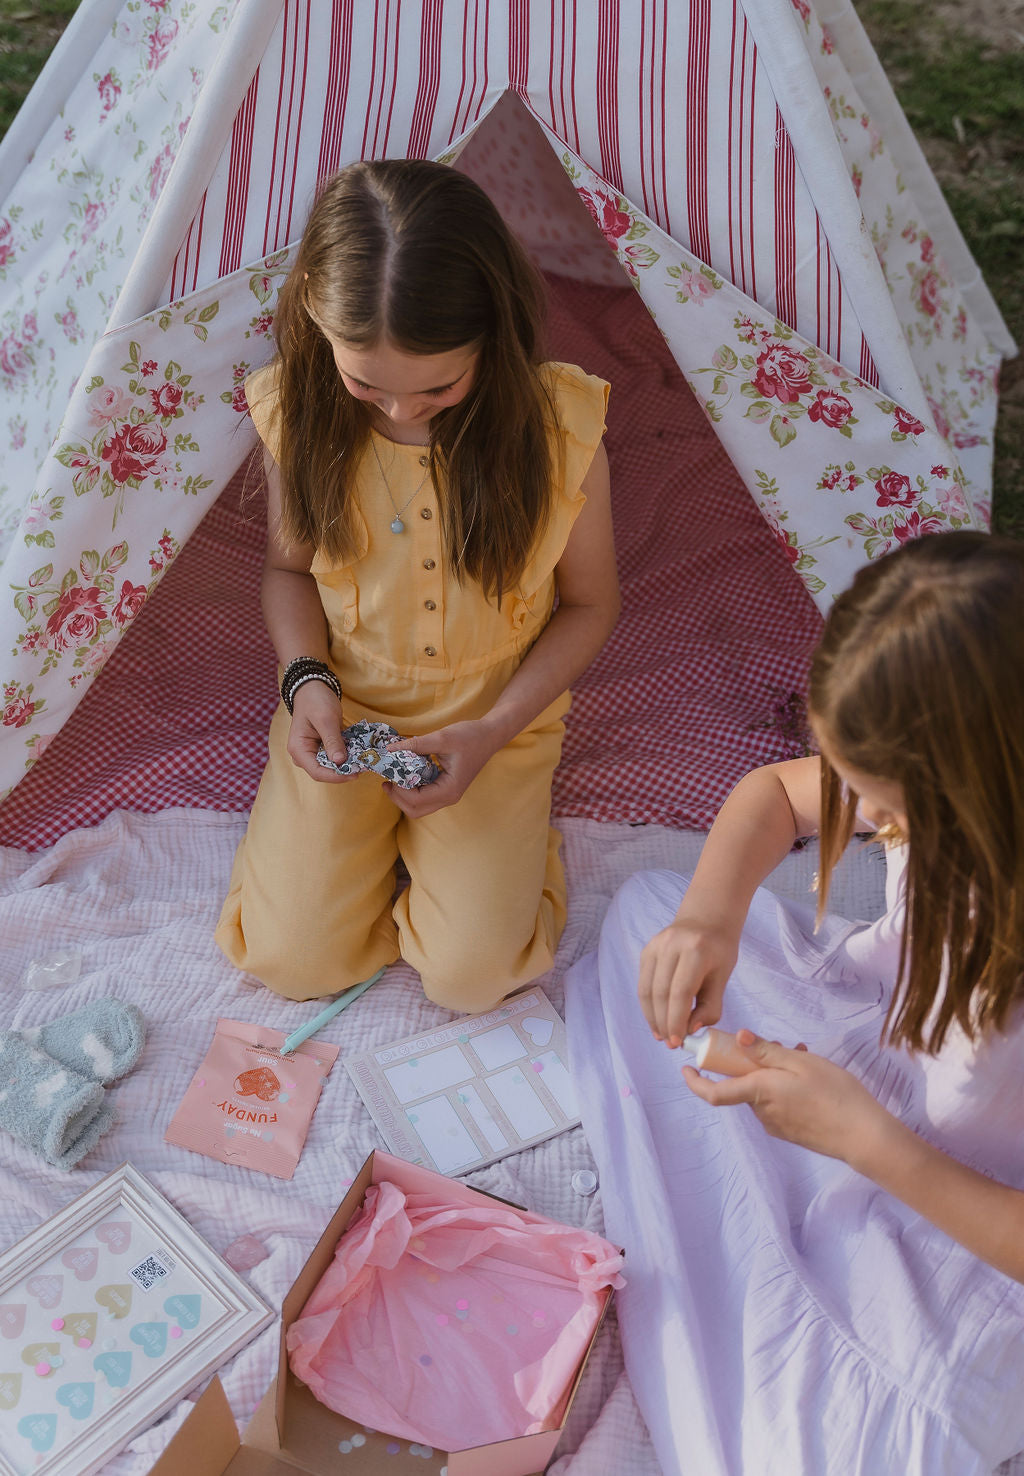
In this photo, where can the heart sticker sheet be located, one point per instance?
(85, 1334)
(474, 1091)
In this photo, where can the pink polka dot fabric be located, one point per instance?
(702, 679)
(454, 1326)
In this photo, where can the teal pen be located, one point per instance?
(334, 1008)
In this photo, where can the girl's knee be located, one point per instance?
(469, 993)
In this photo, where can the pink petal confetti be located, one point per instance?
(627, 1091)
(57, 1324)
(83, 1342)
(42, 1369)
(175, 1332)
(245, 1252)
(537, 1065)
(462, 1304)
(441, 1320)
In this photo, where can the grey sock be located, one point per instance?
(48, 1106)
(101, 1041)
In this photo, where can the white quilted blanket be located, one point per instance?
(139, 895)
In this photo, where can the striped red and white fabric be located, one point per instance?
(702, 679)
(710, 162)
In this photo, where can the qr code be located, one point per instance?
(148, 1272)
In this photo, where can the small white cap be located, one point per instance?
(584, 1181)
(696, 1045)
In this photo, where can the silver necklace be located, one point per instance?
(397, 526)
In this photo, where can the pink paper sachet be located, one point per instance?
(249, 1105)
(449, 1325)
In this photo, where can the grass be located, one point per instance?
(963, 93)
(961, 83)
(28, 33)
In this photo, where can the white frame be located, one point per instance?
(243, 1314)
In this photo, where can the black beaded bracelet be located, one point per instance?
(306, 669)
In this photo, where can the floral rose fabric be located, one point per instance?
(840, 472)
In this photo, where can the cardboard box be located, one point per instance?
(291, 1431)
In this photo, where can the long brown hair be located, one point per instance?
(919, 680)
(414, 253)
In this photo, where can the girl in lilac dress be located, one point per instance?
(857, 1309)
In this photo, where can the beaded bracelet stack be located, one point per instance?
(306, 669)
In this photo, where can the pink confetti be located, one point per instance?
(245, 1252)
(175, 1332)
(627, 1091)
(441, 1320)
(42, 1369)
(462, 1304)
(83, 1342)
(57, 1324)
(537, 1065)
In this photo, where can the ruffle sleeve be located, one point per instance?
(580, 400)
(261, 398)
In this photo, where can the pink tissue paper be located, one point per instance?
(452, 1326)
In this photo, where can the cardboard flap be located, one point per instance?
(206, 1442)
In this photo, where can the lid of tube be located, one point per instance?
(584, 1181)
(695, 1046)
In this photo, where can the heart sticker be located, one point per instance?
(116, 1299)
(80, 1325)
(12, 1319)
(10, 1390)
(40, 1429)
(151, 1337)
(82, 1260)
(77, 1398)
(116, 1368)
(539, 1031)
(46, 1289)
(40, 1353)
(116, 1235)
(184, 1310)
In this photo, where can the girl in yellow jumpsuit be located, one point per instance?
(440, 559)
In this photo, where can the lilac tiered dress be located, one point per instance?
(784, 1316)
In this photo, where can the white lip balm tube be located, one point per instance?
(716, 1050)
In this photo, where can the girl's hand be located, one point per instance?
(460, 750)
(683, 973)
(801, 1097)
(316, 720)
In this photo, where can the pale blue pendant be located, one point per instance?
(397, 526)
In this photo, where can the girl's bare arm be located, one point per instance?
(297, 626)
(684, 968)
(588, 607)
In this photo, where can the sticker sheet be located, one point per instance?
(91, 1333)
(466, 1095)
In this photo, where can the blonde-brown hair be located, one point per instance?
(415, 254)
(919, 680)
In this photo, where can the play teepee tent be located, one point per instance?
(742, 163)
